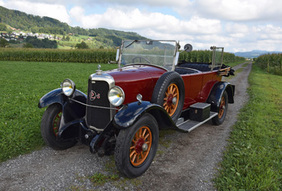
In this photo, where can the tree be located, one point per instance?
(82, 45)
(3, 42)
(3, 27)
(27, 45)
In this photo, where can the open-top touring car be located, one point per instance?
(124, 108)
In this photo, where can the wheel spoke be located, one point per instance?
(146, 136)
(132, 153)
(144, 132)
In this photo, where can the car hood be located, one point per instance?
(136, 79)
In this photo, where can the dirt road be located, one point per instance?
(185, 161)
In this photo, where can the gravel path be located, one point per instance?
(184, 161)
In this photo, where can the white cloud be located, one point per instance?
(237, 25)
(56, 11)
(134, 19)
(241, 10)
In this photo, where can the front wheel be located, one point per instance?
(136, 147)
(222, 110)
(50, 128)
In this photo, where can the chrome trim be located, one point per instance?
(94, 106)
(103, 77)
(96, 129)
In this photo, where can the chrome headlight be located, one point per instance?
(68, 87)
(116, 96)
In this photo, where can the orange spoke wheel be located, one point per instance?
(171, 99)
(140, 146)
(221, 107)
(56, 123)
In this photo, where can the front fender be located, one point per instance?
(57, 96)
(217, 92)
(130, 113)
(72, 112)
(54, 96)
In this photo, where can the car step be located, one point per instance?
(190, 125)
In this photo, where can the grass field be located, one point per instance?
(253, 158)
(22, 84)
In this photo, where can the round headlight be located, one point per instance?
(116, 96)
(68, 87)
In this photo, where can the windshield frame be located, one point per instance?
(173, 57)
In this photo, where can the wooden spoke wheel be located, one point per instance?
(136, 146)
(140, 146)
(222, 110)
(56, 123)
(221, 107)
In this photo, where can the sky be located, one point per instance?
(237, 25)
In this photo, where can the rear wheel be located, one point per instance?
(136, 147)
(50, 124)
(222, 110)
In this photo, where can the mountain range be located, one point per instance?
(254, 53)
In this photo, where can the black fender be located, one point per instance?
(217, 92)
(73, 112)
(130, 113)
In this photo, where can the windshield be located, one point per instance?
(159, 53)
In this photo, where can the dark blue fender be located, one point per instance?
(73, 112)
(130, 113)
(217, 92)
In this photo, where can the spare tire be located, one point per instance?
(169, 92)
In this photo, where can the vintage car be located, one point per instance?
(124, 108)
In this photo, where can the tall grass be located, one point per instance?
(57, 55)
(253, 160)
(95, 55)
(271, 63)
(205, 56)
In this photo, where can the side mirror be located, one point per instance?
(188, 47)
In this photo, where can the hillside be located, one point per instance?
(25, 22)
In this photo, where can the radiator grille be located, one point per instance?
(98, 96)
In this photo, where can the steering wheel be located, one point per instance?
(140, 58)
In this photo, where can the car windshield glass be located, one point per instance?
(160, 53)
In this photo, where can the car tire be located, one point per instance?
(169, 92)
(222, 110)
(49, 128)
(136, 147)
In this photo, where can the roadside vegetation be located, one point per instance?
(272, 63)
(252, 160)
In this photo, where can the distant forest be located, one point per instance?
(37, 24)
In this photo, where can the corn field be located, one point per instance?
(272, 63)
(205, 56)
(56, 55)
(95, 55)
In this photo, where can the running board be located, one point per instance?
(190, 125)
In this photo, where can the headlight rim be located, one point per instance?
(72, 87)
(122, 97)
